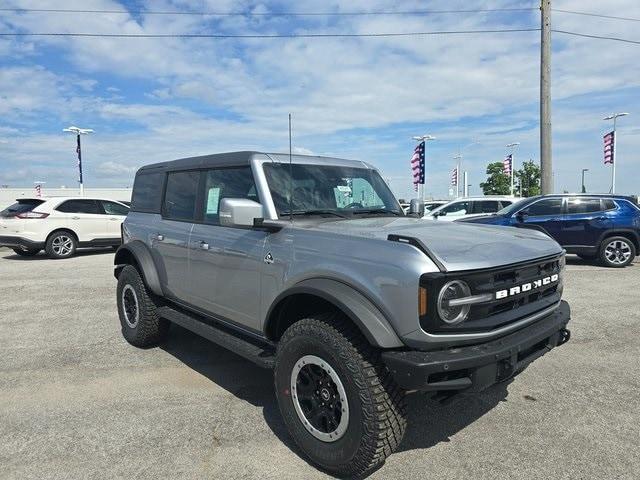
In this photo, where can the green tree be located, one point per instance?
(528, 179)
(497, 182)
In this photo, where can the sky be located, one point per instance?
(152, 100)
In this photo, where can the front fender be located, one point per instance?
(369, 319)
(139, 252)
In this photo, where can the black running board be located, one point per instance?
(261, 354)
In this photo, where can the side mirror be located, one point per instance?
(521, 216)
(239, 212)
(416, 208)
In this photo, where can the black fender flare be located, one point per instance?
(365, 315)
(140, 252)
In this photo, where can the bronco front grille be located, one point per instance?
(496, 312)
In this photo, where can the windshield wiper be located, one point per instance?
(376, 210)
(317, 211)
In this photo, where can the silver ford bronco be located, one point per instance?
(309, 266)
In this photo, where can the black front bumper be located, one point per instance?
(20, 242)
(477, 367)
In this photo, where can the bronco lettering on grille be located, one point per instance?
(526, 287)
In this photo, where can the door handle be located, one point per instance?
(113, 219)
(203, 245)
(159, 237)
(75, 218)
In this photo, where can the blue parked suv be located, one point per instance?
(591, 226)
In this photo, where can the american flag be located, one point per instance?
(454, 177)
(609, 142)
(417, 165)
(38, 190)
(507, 164)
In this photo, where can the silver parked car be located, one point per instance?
(312, 268)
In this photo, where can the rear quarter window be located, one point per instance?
(147, 192)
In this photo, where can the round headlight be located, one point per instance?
(450, 291)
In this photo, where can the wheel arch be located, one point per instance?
(322, 294)
(137, 254)
(62, 229)
(626, 233)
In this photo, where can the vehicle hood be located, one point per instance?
(457, 246)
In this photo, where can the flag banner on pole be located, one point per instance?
(38, 190)
(417, 165)
(79, 160)
(507, 164)
(609, 142)
(454, 177)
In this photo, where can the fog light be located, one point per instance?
(450, 291)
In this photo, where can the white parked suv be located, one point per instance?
(468, 206)
(61, 224)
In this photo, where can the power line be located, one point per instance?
(264, 14)
(589, 14)
(599, 37)
(276, 35)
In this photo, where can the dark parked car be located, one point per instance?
(592, 226)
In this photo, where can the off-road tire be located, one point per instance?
(377, 411)
(58, 236)
(32, 252)
(607, 262)
(148, 329)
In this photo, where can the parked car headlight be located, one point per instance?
(453, 290)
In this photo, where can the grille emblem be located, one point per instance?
(527, 287)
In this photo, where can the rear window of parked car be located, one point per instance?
(79, 206)
(21, 206)
(147, 192)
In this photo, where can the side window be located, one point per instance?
(180, 195)
(485, 206)
(608, 204)
(147, 192)
(222, 183)
(548, 206)
(458, 208)
(79, 206)
(579, 205)
(113, 208)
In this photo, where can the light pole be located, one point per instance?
(513, 146)
(584, 190)
(458, 158)
(78, 132)
(614, 117)
(423, 138)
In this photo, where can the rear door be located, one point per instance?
(115, 214)
(83, 216)
(585, 221)
(226, 262)
(171, 242)
(545, 215)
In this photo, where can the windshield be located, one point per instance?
(329, 189)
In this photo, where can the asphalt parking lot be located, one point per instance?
(76, 401)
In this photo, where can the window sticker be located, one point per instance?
(213, 199)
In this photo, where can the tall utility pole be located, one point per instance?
(546, 168)
(584, 189)
(78, 132)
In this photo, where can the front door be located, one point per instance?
(84, 217)
(544, 215)
(226, 262)
(115, 214)
(584, 222)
